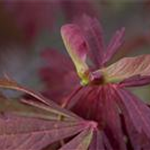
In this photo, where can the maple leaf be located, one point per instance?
(37, 123)
(129, 67)
(99, 96)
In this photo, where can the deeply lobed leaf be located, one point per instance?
(35, 129)
(18, 132)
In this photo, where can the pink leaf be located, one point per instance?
(112, 119)
(136, 81)
(127, 68)
(82, 141)
(35, 131)
(31, 133)
(100, 141)
(135, 139)
(92, 31)
(76, 47)
(11, 84)
(136, 110)
(114, 44)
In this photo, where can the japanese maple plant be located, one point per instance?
(88, 106)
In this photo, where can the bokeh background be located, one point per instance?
(29, 27)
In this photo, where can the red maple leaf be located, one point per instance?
(101, 95)
(37, 122)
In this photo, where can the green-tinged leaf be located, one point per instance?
(80, 142)
(128, 67)
(76, 47)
